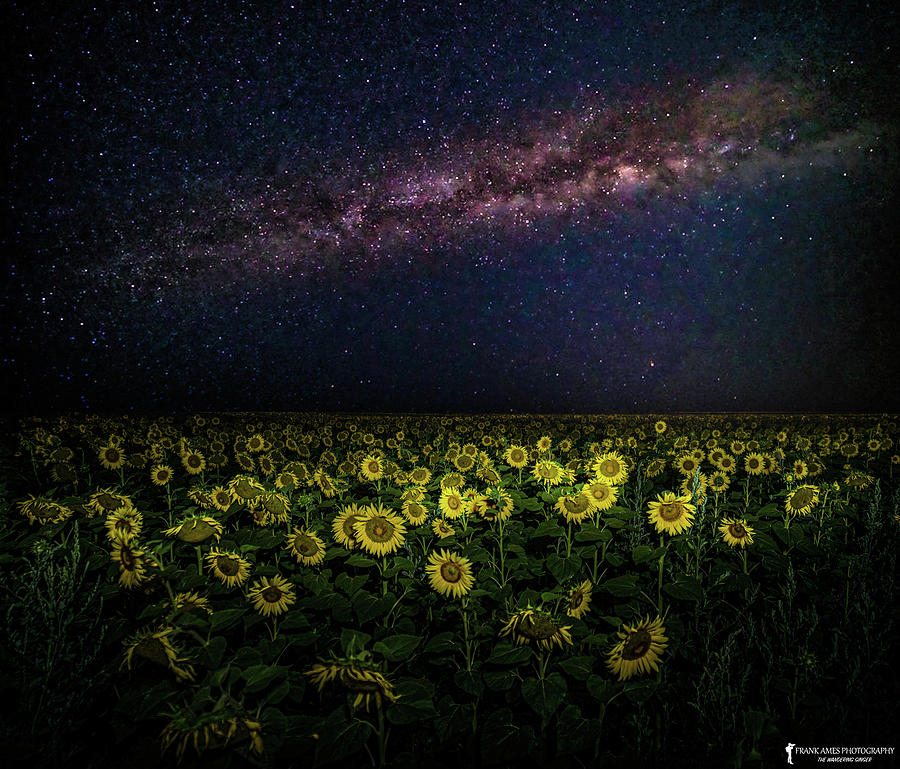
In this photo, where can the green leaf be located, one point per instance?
(614, 559)
(353, 641)
(642, 554)
(621, 587)
(258, 677)
(340, 737)
(469, 681)
(215, 649)
(563, 569)
(548, 529)
(504, 653)
(360, 560)
(415, 701)
(578, 667)
(499, 680)
(599, 688)
(544, 696)
(397, 648)
(442, 642)
(222, 619)
(590, 533)
(684, 588)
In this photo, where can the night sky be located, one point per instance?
(474, 207)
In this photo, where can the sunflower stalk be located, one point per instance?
(659, 585)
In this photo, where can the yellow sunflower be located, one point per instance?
(221, 498)
(610, 468)
(463, 463)
(229, 568)
(442, 529)
(549, 473)
(544, 443)
(38, 510)
(579, 599)
(271, 597)
(671, 514)
(154, 645)
(379, 531)
(342, 526)
(125, 524)
(188, 602)
(451, 503)
(574, 507)
(194, 462)
(133, 563)
(112, 457)
(489, 508)
(420, 476)
(638, 650)
(306, 547)
(245, 489)
(801, 500)
(104, 501)
(196, 529)
(450, 574)
(600, 495)
(754, 464)
(160, 475)
(516, 457)
(736, 533)
(532, 625)
(414, 512)
(371, 468)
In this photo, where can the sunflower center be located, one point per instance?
(637, 645)
(193, 460)
(609, 467)
(453, 503)
(670, 511)
(271, 594)
(228, 566)
(737, 531)
(128, 559)
(305, 545)
(537, 628)
(112, 455)
(379, 530)
(599, 492)
(576, 600)
(450, 572)
(373, 468)
(154, 650)
(516, 455)
(415, 511)
(575, 505)
(801, 498)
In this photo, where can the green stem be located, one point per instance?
(659, 599)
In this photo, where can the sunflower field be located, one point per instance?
(321, 590)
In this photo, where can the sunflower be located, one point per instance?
(245, 489)
(124, 524)
(451, 503)
(659, 427)
(342, 526)
(736, 533)
(579, 600)
(133, 564)
(671, 514)
(371, 468)
(463, 463)
(516, 457)
(638, 650)
(610, 468)
(306, 547)
(800, 469)
(801, 500)
(160, 475)
(277, 506)
(413, 494)
(255, 444)
(379, 531)
(229, 568)
(544, 443)
(356, 675)
(574, 507)
(753, 464)
(452, 481)
(104, 501)
(686, 465)
(450, 574)
(271, 597)
(538, 626)
(154, 645)
(494, 504)
(655, 467)
(549, 473)
(187, 602)
(196, 529)
(442, 529)
(112, 457)
(194, 462)
(600, 495)
(38, 510)
(420, 476)
(719, 481)
(221, 498)
(414, 512)
(325, 483)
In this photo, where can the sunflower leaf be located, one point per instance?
(397, 648)
(505, 653)
(544, 696)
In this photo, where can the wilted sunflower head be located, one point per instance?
(196, 529)
(579, 599)
(356, 674)
(536, 626)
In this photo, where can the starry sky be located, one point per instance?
(467, 207)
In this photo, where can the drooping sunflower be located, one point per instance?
(160, 475)
(196, 529)
(610, 468)
(229, 568)
(451, 503)
(210, 731)
(342, 526)
(154, 645)
(442, 529)
(450, 574)
(493, 505)
(194, 462)
(638, 650)
(452, 481)
(736, 532)
(271, 596)
(356, 675)
(574, 507)
(516, 457)
(579, 599)
(306, 547)
(414, 512)
(124, 523)
(671, 514)
(112, 457)
(379, 531)
(133, 563)
(535, 626)
(104, 501)
(801, 500)
(188, 602)
(245, 489)
(277, 506)
(39, 510)
(600, 495)
(325, 483)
